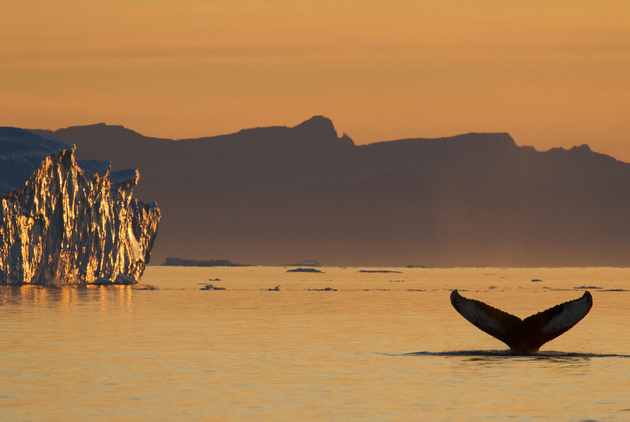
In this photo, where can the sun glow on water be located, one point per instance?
(374, 346)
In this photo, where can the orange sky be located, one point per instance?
(551, 73)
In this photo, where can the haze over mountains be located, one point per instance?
(283, 194)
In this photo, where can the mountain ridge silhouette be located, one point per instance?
(283, 194)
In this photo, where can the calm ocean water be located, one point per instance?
(375, 347)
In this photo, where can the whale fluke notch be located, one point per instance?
(528, 335)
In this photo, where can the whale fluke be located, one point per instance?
(523, 336)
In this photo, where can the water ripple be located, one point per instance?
(509, 354)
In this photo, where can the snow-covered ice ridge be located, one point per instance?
(68, 221)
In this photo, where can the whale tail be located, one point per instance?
(528, 335)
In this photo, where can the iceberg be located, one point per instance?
(68, 221)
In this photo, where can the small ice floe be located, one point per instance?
(396, 281)
(144, 287)
(586, 287)
(211, 287)
(380, 271)
(214, 279)
(536, 280)
(275, 289)
(327, 289)
(304, 270)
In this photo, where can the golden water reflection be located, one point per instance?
(377, 346)
(65, 297)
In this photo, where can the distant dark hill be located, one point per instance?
(279, 194)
